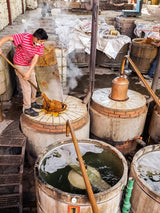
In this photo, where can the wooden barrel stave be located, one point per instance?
(142, 54)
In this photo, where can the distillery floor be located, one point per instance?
(12, 109)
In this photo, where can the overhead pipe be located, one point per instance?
(82, 167)
(140, 141)
(9, 12)
(155, 98)
(94, 6)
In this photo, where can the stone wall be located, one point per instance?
(4, 20)
(31, 4)
(16, 10)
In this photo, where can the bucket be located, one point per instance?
(145, 196)
(60, 199)
(102, 60)
(142, 54)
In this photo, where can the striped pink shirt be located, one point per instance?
(25, 50)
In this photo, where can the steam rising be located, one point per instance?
(74, 73)
(54, 90)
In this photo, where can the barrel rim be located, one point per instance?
(136, 175)
(136, 41)
(104, 107)
(101, 196)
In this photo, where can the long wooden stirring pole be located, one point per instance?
(18, 71)
(82, 166)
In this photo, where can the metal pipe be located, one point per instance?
(82, 166)
(155, 98)
(127, 205)
(140, 142)
(9, 12)
(95, 7)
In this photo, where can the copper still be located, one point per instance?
(119, 88)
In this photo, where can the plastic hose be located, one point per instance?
(127, 205)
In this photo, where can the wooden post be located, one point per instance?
(22, 6)
(9, 12)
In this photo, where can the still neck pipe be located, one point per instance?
(155, 98)
(82, 166)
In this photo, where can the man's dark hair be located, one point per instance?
(40, 34)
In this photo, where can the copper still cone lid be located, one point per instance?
(119, 88)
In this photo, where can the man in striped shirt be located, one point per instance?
(28, 48)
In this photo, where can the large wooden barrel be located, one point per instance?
(126, 26)
(154, 126)
(47, 129)
(145, 195)
(78, 57)
(117, 121)
(103, 60)
(142, 54)
(110, 21)
(52, 196)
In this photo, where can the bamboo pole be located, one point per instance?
(82, 166)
